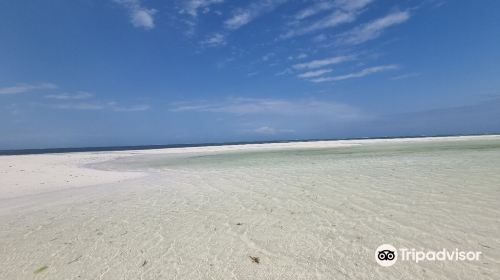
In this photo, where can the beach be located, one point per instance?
(301, 210)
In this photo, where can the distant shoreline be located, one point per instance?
(169, 146)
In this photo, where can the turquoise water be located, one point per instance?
(242, 159)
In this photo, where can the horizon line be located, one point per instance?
(32, 151)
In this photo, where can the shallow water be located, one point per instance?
(296, 157)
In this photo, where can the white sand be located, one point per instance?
(199, 213)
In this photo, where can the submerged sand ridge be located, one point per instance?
(306, 212)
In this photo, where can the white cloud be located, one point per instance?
(372, 29)
(267, 56)
(298, 57)
(260, 106)
(312, 74)
(345, 11)
(76, 101)
(94, 106)
(238, 20)
(215, 40)
(251, 74)
(362, 73)
(406, 76)
(192, 7)
(315, 9)
(25, 88)
(242, 17)
(140, 16)
(79, 106)
(323, 62)
(334, 19)
(65, 96)
(301, 56)
(349, 5)
(346, 5)
(319, 38)
(284, 72)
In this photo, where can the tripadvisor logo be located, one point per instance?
(387, 255)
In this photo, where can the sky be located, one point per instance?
(85, 73)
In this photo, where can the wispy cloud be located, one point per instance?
(243, 16)
(94, 106)
(323, 62)
(347, 5)
(312, 74)
(319, 38)
(299, 56)
(372, 29)
(83, 100)
(315, 9)
(140, 16)
(267, 56)
(362, 73)
(79, 106)
(345, 11)
(406, 76)
(284, 72)
(26, 88)
(65, 96)
(192, 7)
(261, 106)
(335, 19)
(214, 40)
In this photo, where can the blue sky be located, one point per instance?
(135, 72)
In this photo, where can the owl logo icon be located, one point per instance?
(386, 255)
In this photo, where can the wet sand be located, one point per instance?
(314, 210)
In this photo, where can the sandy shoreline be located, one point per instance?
(307, 210)
(34, 174)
